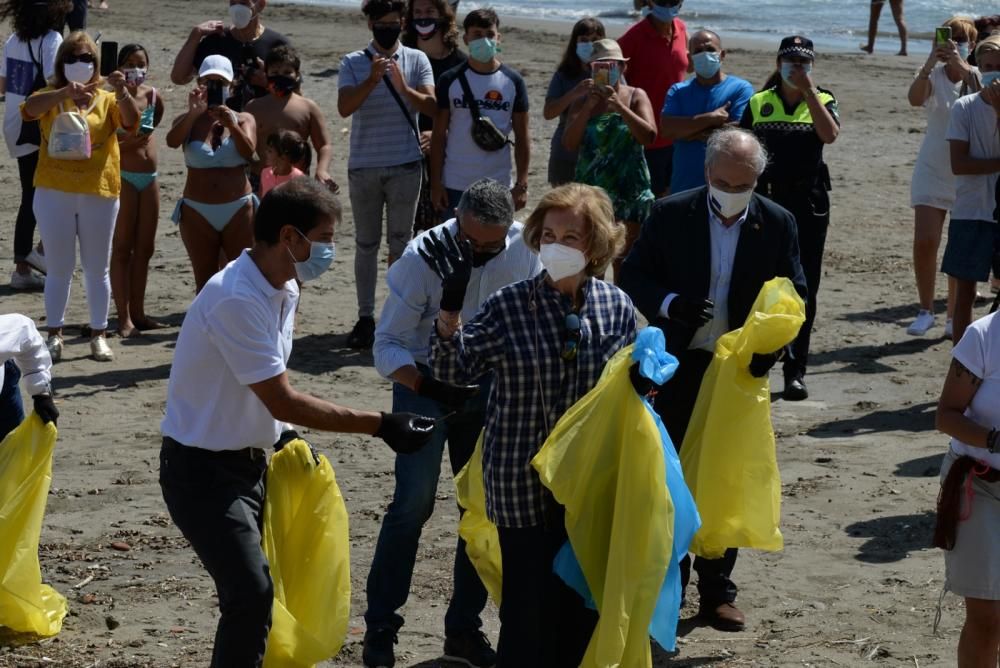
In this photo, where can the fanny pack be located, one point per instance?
(957, 483)
(69, 137)
(484, 131)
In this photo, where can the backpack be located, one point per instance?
(69, 137)
(30, 130)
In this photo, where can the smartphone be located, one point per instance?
(942, 35)
(214, 94)
(601, 74)
(109, 58)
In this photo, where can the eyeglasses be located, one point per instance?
(571, 344)
(477, 247)
(79, 58)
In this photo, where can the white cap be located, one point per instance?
(217, 65)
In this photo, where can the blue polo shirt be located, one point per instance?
(690, 98)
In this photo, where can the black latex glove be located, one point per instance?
(642, 385)
(760, 364)
(405, 433)
(690, 312)
(451, 260)
(46, 409)
(290, 435)
(453, 396)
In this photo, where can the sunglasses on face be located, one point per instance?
(571, 344)
(80, 58)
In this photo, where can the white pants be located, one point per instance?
(62, 219)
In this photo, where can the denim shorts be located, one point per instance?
(969, 253)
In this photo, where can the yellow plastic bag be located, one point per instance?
(482, 542)
(728, 454)
(306, 543)
(604, 462)
(26, 605)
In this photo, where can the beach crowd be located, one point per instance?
(677, 191)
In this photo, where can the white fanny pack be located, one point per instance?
(69, 137)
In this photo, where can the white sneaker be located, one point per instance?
(29, 281)
(949, 330)
(36, 260)
(100, 350)
(920, 326)
(55, 346)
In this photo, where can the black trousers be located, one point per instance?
(216, 499)
(674, 404)
(77, 18)
(543, 623)
(24, 227)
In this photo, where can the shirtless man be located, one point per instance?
(285, 108)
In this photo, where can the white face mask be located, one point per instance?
(561, 261)
(79, 72)
(728, 205)
(240, 15)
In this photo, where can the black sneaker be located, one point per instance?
(378, 651)
(363, 334)
(470, 648)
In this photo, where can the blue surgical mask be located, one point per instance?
(706, 64)
(614, 74)
(584, 50)
(786, 70)
(665, 14)
(963, 50)
(483, 50)
(321, 255)
(989, 77)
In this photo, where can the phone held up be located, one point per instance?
(214, 93)
(109, 58)
(942, 35)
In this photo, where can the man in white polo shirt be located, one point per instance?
(229, 399)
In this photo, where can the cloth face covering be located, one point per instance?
(786, 70)
(386, 36)
(561, 261)
(427, 27)
(729, 204)
(483, 50)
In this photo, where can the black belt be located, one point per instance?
(252, 454)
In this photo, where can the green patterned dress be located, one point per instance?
(611, 158)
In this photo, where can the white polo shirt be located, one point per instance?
(237, 332)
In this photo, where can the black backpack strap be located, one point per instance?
(470, 99)
(399, 100)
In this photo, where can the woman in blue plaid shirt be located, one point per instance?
(547, 340)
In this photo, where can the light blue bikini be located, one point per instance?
(200, 155)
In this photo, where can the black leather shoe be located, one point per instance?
(469, 649)
(363, 335)
(795, 390)
(723, 617)
(378, 648)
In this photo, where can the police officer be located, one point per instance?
(794, 119)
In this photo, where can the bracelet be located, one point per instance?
(121, 98)
(520, 186)
(991, 441)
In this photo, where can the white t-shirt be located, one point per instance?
(972, 120)
(237, 332)
(499, 95)
(979, 352)
(19, 71)
(21, 342)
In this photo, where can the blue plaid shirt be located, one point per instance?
(502, 338)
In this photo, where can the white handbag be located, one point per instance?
(69, 137)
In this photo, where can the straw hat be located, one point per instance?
(607, 49)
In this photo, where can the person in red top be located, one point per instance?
(657, 49)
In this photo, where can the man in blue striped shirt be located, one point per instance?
(402, 341)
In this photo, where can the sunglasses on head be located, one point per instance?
(80, 58)
(571, 344)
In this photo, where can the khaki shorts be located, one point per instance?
(972, 569)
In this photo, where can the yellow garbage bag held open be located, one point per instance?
(307, 546)
(728, 455)
(604, 462)
(26, 605)
(482, 542)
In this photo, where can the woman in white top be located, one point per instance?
(944, 78)
(968, 525)
(29, 58)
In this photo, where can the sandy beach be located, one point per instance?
(857, 583)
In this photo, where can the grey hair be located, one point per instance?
(728, 142)
(489, 201)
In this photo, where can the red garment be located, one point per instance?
(656, 63)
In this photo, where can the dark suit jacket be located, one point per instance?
(673, 254)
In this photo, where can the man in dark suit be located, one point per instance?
(696, 269)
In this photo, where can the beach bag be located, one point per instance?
(31, 132)
(69, 137)
(728, 455)
(26, 605)
(485, 133)
(308, 550)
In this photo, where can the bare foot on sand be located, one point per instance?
(145, 324)
(902, 53)
(867, 48)
(128, 331)
(103, 5)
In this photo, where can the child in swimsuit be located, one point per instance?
(288, 155)
(135, 230)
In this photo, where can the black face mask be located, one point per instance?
(425, 24)
(386, 36)
(481, 258)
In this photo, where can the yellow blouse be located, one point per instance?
(101, 174)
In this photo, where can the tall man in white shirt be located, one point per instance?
(402, 340)
(229, 399)
(23, 356)
(699, 263)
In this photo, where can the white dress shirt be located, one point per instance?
(724, 241)
(21, 342)
(403, 335)
(237, 332)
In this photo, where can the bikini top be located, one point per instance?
(200, 155)
(146, 118)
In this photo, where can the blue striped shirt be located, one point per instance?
(380, 135)
(502, 338)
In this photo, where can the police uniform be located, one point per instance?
(796, 178)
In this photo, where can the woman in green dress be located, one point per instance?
(609, 128)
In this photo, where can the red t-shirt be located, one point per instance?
(656, 63)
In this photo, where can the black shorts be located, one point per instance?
(661, 167)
